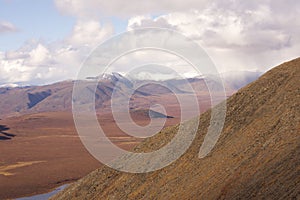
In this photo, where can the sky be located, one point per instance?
(42, 42)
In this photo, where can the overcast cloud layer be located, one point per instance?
(238, 35)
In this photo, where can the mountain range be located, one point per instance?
(16, 101)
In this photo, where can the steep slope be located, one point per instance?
(257, 156)
(37, 97)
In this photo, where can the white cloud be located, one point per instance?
(89, 33)
(138, 20)
(238, 35)
(121, 8)
(6, 27)
(39, 63)
(146, 21)
(13, 71)
(9, 85)
(38, 55)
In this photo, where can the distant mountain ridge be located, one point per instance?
(57, 96)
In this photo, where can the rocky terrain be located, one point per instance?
(256, 157)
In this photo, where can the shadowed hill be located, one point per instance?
(4, 135)
(256, 157)
(148, 113)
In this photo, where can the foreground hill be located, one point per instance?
(257, 156)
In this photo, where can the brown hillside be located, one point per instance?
(257, 156)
